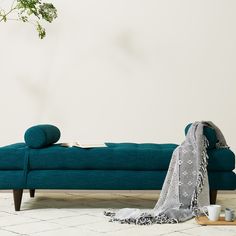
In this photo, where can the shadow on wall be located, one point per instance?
(38, 91)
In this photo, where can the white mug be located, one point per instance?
(213, 212)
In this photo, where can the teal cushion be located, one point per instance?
(114, 179)
(134, 157)
(101, 179)
(118, 157)
(12, 156)
(40, 136)
(220, 159)
(12, 179)
(209, 133)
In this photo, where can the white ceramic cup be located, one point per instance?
(213, 212)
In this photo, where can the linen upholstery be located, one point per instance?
(114, 179)
(40, 136)
(101, 179)
(12, 156)
(116, 157)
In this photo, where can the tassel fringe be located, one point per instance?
(201, 177)
(144, 219)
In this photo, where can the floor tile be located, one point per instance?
(179, 234)
(68, 232)
(7, 233)
(146, 232)
(76, 220)
(14, 220)
(209, 230)
(48, 214)
(106, 227)
(34, 227)
(227, 229)
(152, 230)
(133, 232)
(4, 214)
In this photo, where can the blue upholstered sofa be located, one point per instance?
(119, 166)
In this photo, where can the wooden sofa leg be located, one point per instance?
(32, 192)
(17, 194)
(213, 195)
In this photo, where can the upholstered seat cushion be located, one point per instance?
(125, 156)
(12, 156)
(137, 157)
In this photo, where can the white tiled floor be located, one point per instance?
(68, 214)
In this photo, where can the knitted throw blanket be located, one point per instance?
(185, 190)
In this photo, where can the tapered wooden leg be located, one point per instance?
(32, 192)
(17, 194)
(213, 195)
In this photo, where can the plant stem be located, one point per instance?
(6, 14)
(13, 4)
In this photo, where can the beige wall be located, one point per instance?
(124, 70)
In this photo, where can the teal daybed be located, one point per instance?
(40, 164)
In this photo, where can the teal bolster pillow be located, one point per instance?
(209, 133)
(40, 136)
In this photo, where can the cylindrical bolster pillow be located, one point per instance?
(40, 136)
(209, 133)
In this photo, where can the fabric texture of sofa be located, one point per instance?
(119, 166)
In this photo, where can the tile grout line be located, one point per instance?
(10, 231)
(34, 232)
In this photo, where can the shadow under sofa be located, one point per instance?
(119, 166)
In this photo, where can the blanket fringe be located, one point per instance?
(144, 219)
(200, 179)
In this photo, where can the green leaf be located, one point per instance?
(41, 31)
(24, 18)
(48, 12)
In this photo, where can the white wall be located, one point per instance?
(124, 70)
